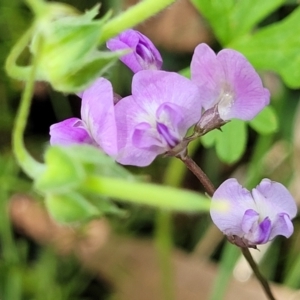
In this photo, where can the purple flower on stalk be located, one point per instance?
(155, 118)
(229, 85)
(143, 54)
(97, 125)
(253, 218)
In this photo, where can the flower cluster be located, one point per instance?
(163, 105)
(155, 118)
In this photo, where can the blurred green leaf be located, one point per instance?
(230, 142)
(275, 47)
(265, 122)
(154, 195)
(62, 171)
(70, 208)
(68, 166)
(230, 19)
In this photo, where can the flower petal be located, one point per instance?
(97, 111)
(128, 113)
(282, 225)
(152, 88)
(260, 234)
(208, 74)
(250, 217)
(70, 131)
(239, 200)
(277, 198)
(250, 97)
(143, 55)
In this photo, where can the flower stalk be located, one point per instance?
(29, 165)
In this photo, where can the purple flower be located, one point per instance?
(227, 80)
(97, 125)
(155, 118)
(253, 218)
(143, 54)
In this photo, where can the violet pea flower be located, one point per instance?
(156, 117)
(229, 85)
(253, 218)
(143, 54)
(97, 125)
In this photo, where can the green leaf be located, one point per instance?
(275, 47)
(62, 171)
(70, 208)
(85, 72)
(265, 122)
(230, 19)
(230, 142)
(97, 162)
(209, 139)
(68, 166)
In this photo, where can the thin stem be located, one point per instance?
(29, 165)
(257, 273)
(197, 171)
(163, 242)
(133, 16)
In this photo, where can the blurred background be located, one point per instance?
(109, 259)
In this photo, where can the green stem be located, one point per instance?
(230, 255)
(11, 67)
(163, 197)
(133, 16)
(163, 241)
(29, 165)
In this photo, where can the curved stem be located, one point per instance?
(133, 16)
(11, 67)
(29, 165)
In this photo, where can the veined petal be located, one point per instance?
(153, 88)
(249, 96)
(70, 131)
(208, 74)
(97, 112)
